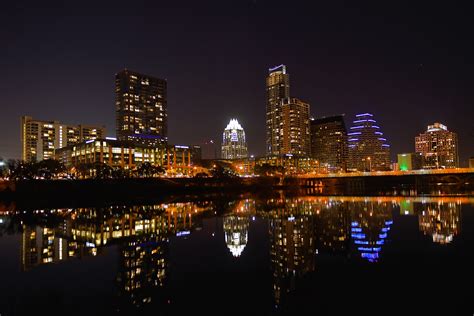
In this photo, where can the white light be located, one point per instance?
(233, 124)
(111, 138)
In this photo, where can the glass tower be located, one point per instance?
(368, 149)
(278, 88)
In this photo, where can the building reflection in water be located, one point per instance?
(300, 229)
(292, 245)
(370, 226)
(236, 226)
(236, 230)
(440, 220)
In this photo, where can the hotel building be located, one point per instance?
(39, 139)
(438, 146)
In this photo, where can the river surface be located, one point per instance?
(275, 255)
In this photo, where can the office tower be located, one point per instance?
(278, 88)
(40, 139)
(438, 146)
(329, 142)
(141, 108)
(234, 145)
(295, 131)
(368, 150)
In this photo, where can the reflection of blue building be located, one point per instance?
(368, 247)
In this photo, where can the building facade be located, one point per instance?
(438, 146)
(295, 130)
(329, 142)
(141, 108)
(175, 159)
(278, 88)
(39, 139)
(368, 149)
(234, 144)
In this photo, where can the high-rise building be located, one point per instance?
(438, 146)
(278, 88)
(234, 145)
(368, 149)
(39, 139)
(329, 142)
(141, 108)
(294, 131)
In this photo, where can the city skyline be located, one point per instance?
(430, 84)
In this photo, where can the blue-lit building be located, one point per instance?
(368, 148)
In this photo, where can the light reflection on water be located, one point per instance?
(288, 239)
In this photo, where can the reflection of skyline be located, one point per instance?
(441, 221)
(292, 250)
(300, 230)
(236, 230)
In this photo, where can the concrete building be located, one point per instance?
(141, 108)
(39, 139)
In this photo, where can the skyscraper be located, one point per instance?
(368, 150)
(141, 108)
(438, 146)
(295, 130)
(234, 145)
(278, 88)
(39, 139)
(329, 142)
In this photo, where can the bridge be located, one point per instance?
(459, 180)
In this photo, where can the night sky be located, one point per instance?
(408, 65)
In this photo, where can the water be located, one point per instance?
(255, 255)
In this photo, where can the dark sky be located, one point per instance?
(410, 65)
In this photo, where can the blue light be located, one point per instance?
(361, 242)
(356, 230)
(385, 229)
(385, 145)
(354, 127)
(381, 138)
(354, 133)
(383, 236)
(388, 222)
(360, 121)
(371, 121)
(369, 255)
(353, 139)
(378, 133)
(364, 114)
(380, 242)
(375, 126)
(183, 233)
(354, 224)
(358, 236)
